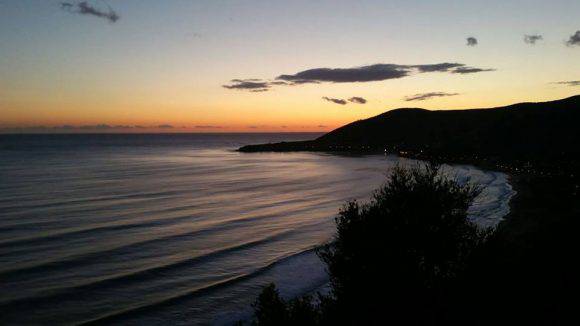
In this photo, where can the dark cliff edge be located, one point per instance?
(524, 132)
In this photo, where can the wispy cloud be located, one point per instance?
(574, 39)
(469, 70)
(208, 127)
(371, 73)
(532, 39)
(335, 100)
(357, 100)
(85, 8)
(354, 99)
(252, 84)
(427, 96)
(261, 85)
(102, 127)
(376, 72)
(471, 41)
(437, 67)
(569, 83)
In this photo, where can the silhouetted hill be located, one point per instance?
(545, 130)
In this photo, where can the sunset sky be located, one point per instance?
(229, 66)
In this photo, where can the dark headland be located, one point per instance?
(518, 135)
(527, 271)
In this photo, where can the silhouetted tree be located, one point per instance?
(393, 258)
(303, 312)
(270, 309)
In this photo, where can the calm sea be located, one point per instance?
(174, 229)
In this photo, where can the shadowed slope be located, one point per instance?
(525, 130)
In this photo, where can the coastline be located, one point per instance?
(539, 202)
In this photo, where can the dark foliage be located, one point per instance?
(391, 259)
(271, 310)
(527, 273)
(395, 255)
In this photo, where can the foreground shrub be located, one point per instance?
(393, 259)
(271, 310)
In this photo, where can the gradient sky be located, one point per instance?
(165, 62)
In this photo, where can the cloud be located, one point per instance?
(103, 127)
(376, 72)
(532, 39)
(437, 67)
(277, 83)
(357, 100)
(471, 41)
(574, 39)
(208, 127)
(427, 96)
(84, 8)
(370, 73)
(569, 83)
(67, 6)
(245, 80)
(335, 100)
(303, 81)
(469, 70)
(96, 127)
(253, 85)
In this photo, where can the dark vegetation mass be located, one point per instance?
(402, 248)
(410, 256)
(392, 258)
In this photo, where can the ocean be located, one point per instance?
(175, 228)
